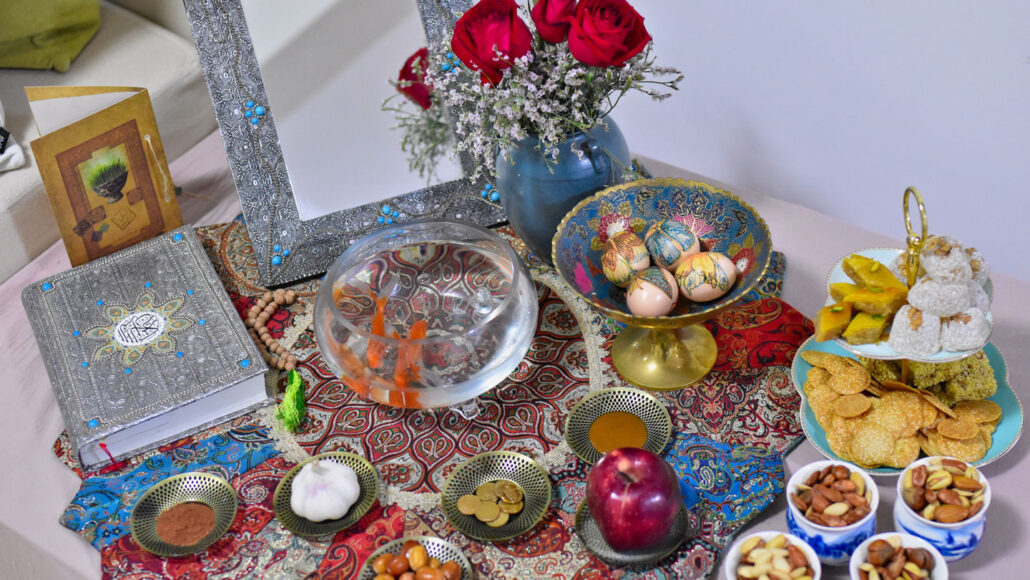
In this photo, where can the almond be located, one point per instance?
(949, 514)
(965, 483)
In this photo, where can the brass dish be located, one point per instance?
(367, 477)
(590, 534)
(643, 405)
(194, 486)
(662, 352)
(491, 466)
(442, 550)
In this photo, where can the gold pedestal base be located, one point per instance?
(664, 359)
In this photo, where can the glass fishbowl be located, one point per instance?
(426, 314)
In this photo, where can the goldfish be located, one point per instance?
(376, 348)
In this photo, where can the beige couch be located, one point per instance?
(128, 50)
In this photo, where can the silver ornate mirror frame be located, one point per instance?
(286, 247)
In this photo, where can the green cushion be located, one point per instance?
(45, 34)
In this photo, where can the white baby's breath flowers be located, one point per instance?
(546, 93)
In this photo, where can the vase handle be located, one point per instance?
(596, 154)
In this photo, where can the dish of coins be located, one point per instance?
(496, 495)
(494, 502)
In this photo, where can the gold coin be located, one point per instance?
(511, 508)
(467, 504)
(486, 492)
(509, 492)
(500, 521)
(487, 512)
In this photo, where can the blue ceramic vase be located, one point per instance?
(536, 196)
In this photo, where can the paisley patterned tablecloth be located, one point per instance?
(730, 431)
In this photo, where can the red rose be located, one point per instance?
(412, 79)
(487, 25)
(552, 19)
(606, 33)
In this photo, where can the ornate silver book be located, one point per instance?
(143, 347)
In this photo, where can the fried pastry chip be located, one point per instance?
(987, 437)
(970, 450)
(851, 405)
(871, 445)
(899, 413)
(906, 450)
(979, 411)
(961, 429)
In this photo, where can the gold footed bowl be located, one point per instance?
(661, 352)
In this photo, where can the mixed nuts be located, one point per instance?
(945, 490)
(889, 560)
(834, 497)
(776, 559)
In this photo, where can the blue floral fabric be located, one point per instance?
(100, 510)
(726, 485)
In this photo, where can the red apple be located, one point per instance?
(634, 496)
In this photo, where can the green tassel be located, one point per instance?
(291, 410)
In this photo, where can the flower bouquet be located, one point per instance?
(557, 68)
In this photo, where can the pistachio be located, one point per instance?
(929, 510)
(938, 480)
(954, 470)
(799, 572)
(963, 501)
(971, 473)
(747, 572)
(867, 567)
(874, 575)
(804, 487)
(919, 474)
(915, 497)
(837, 509)
(778, 542)
(907, 480)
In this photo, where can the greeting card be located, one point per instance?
(103, 166)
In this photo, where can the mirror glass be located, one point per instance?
(326, 67)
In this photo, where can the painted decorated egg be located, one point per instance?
(624, 255)
(670, 242)
(706, 276)
(652, 292)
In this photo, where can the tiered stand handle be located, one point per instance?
(915, 243)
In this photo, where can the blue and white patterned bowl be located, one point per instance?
(940, 567)
(834, 546)
(954, 541)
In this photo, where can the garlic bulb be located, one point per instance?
(324, 490)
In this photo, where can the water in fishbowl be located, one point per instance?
(427, 324)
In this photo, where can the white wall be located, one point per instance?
(840, 106)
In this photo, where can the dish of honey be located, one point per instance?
(617, 429)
